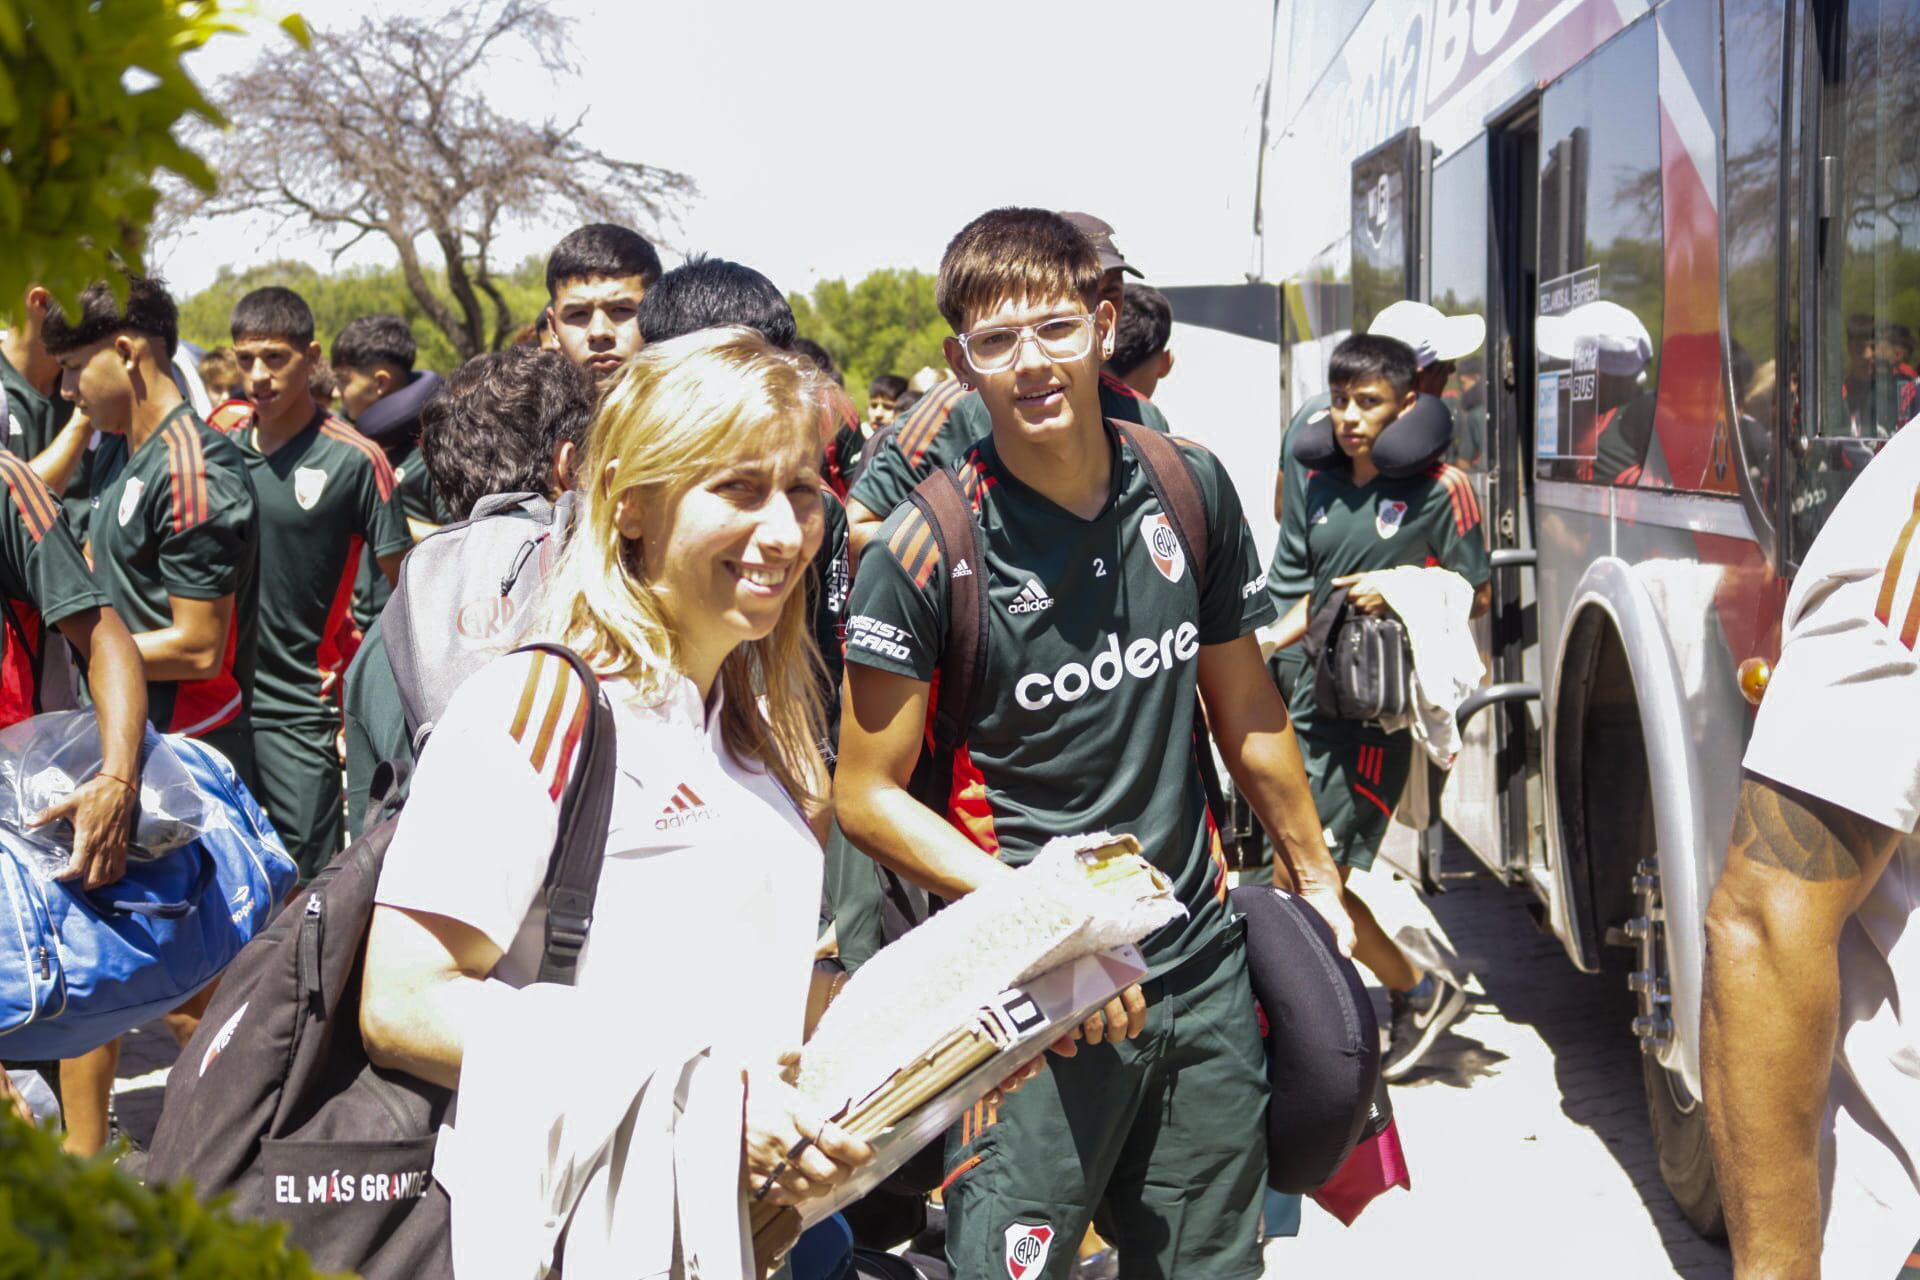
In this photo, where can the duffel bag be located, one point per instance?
(78, 968)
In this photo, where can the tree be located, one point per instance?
(339, 297)
(386, 130)
(89, 96)
(887, 323)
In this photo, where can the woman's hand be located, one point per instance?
(1123, 1018)
(1362, 594)
(793, 1156)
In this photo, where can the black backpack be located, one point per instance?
(274, 1101)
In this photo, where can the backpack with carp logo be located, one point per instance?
(274, 1100)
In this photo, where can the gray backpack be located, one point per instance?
(468, 592)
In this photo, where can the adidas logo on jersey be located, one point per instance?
(684, 809)
(1032, 598)
(962, 570)
(1142, 659)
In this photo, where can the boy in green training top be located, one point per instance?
(41, 427)
(327, 496)
(1348, 522)
(1100, 639)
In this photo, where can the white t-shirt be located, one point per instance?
(708, 903)
(1841, 721)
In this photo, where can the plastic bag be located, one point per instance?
(46, 758)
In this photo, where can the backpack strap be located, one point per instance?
(1179, 493)
(963, 657)
(580, 848)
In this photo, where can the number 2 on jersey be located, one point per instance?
(1099, 567)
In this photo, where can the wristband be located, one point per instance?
(122, 781)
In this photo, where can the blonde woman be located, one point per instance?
(700, 513)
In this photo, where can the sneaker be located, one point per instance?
(1420, 1017)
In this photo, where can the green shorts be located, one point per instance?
(1288, 667)
(300, 788)
(1357, 783)
(1160, 1141)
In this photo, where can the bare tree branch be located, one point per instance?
(387, 130)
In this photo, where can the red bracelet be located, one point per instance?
(117, 778)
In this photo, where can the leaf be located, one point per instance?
(296, 26)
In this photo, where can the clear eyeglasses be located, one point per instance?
(1060, 338)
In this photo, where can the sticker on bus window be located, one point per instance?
(1546, 415)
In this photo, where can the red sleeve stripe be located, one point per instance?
(1890, 580)
(913, 546)
(187, 467)
(230, 416)
(926, 419)
(36, 504)
(334, 429)
(568, 744)
(1118, 387)
(1466, 506)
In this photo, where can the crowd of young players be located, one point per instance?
(248, 551)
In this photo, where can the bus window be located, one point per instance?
(1864, 383)
(1753, 49)
(1458, 286)
(1601, 269)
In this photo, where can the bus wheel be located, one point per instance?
(1677, 1118)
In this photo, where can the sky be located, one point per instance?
(832, 138)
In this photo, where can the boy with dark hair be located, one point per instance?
(327, 495)
(175, 543)
(822, 359)
(511, 421)
(40, 426)
(596, 278)
(948, 419)
(383, 396)
(1349, 522)
(689, 297)
(1140, 355)
(1101, 636)
(883, 393)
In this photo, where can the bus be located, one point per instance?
(1693, 231)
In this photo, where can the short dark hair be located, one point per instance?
(602, 251)
(372, 341)
(890, 385)
(273, 312)
(1366, 356)
(498, 422)
(1146, 322)
(1007, 253)
(706, 293)
(821, 357)
(905, 401)
(150, 312)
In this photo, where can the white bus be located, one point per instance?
(1732, 186)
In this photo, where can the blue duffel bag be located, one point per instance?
(78, 968)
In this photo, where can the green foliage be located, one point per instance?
(64, 1219)
(887, 323)
(89, 97)
(340, 297)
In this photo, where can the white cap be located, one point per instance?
(1432, 334)
(1624, 346)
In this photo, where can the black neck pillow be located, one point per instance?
(1323, 1042)
(1411, 443)
(398, 410)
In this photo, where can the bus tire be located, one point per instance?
(1679, 1124)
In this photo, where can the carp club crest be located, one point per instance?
(130, 498)
(1163, 545)
(308, 483)
(1387, 517)
(1028, 1244)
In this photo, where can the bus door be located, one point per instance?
(1483, 202)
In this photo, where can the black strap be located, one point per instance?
(1179, 494)
(963, 658)
(580, 846)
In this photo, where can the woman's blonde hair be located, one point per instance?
(680, 412)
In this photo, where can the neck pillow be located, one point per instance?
(1323, 1042)
(1410, 444)
(399, 410)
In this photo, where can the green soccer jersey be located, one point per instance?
(421, 503)
(326, 496)
(1286, 580)
(179, 518)
(1339, 528)
(33, 420)
(945, 423)
(43, 577)
(1085, 721)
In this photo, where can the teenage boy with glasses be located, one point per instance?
(1099, 641)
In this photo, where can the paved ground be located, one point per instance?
(1526, 1136)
